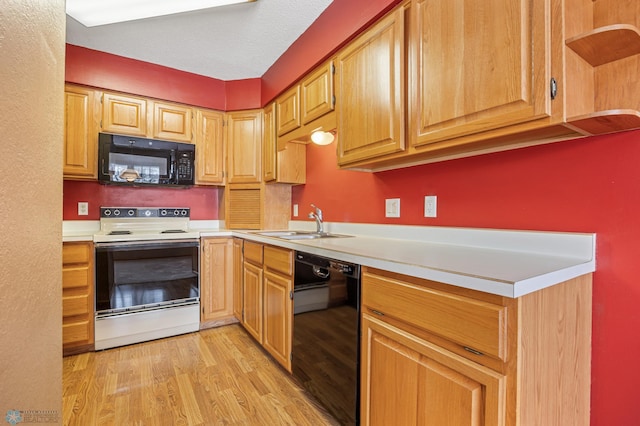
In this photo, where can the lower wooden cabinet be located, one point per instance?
(216, 281)
(252, 300)
(267, 307)
(77, 297)
(238, 261)
(413, 382)
(278, 304)
(438, 354)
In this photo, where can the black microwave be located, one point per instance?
(128, 160)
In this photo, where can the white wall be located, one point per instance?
(32, 35)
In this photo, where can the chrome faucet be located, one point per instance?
(317, 215)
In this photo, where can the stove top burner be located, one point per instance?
(120, 232)
(173, 231)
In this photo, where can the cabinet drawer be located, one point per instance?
(76, 332)
(280, 260)
(75, 305)
(76, 277)
(471, 323)
(253, 252)
(76, 253)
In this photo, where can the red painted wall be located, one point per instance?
(203, 201)
(339, 23)
(587, 185)
(106, 71)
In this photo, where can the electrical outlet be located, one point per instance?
(295, 210)
(430, 206)
(392, 207)
(83, 208)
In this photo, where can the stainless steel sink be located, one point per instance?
(301, 235)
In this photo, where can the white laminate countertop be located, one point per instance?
(504, 262)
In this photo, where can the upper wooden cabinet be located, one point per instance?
(478, 66)
(81, 123)
(172, 122)
(244, 143)
(285, 162)
(317, 94)
(288, 111)
(478, 77)
(124, 114)
(137, 116)
(370, 90)
(307, 106)
(269, 145)
(210, 149)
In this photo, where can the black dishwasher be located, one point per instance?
(326, 333)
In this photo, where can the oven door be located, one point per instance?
(146, 275)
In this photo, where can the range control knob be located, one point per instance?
(163, 212)
(147, 213)
(131, 212)
(183, 212)
(107, 212)
(116, 212)
(176, 212)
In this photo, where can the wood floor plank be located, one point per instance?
(217, 376)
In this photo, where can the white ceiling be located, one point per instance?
(228, 43)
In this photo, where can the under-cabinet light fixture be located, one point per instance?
(320, 137)
(91, 13)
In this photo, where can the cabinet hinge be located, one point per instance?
(553, 86)
(290, 356)
(333, 68)
(291, 295)
(333, 99)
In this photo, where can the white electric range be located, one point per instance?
(147, 275)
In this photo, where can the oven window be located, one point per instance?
(143, 275)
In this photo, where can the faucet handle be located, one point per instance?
(318, 211)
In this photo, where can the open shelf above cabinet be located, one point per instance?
(611, 121)
(606, 44)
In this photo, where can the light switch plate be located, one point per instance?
(295, 210)
(392, 207)
(83, 208)
(430, 206)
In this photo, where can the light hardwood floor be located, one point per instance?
(217, 376)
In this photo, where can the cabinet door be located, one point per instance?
(316, 92)
(288, 111)
(209, 147)
(252, 299)
(238, 261)
(408, 381)
(476, 66)
(124, 114)
(77, 297)
(370, 91)
(269, 149)
(278, 313)
(172, 122)
(244, 144)
(216, 279)
(80, 133)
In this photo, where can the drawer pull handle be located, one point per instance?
(473, 351)
(377, 312)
